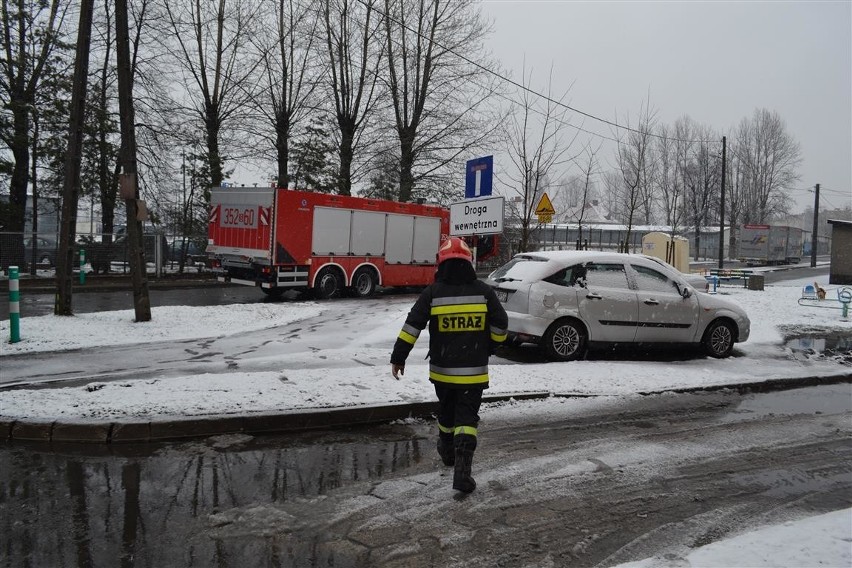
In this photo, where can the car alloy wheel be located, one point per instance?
(719, 339)
(564, 340)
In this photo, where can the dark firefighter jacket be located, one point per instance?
(465, 322)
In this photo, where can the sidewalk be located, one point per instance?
(301, 419)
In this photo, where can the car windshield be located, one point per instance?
(519, 268)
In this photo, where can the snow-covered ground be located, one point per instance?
(322, 385)
(825, 540)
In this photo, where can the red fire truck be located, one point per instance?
(281, 239)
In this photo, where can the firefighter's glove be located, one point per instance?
(397, 370)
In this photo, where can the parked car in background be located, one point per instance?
(150, 240)
(192, 251)
(565, 300)
(45, 251)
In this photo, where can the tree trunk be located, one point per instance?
(34, 178)
(733, 247)
(346, 155)
(282, 145)
(20, 172)
(406, 164)
(71, 178)
(141, 300)
(697, 239)
(213, 157)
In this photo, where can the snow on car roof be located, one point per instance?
(545, 263)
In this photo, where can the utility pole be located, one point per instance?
(722, 210)
(130, 187)
(816, 227)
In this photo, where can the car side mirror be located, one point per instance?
(686, 292)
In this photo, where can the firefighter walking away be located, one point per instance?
(466, 323)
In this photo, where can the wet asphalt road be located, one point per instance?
(585, 483)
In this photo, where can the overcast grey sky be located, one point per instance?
(714, 61)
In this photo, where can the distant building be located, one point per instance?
(592, 214)
(840, 271)
(49, 214)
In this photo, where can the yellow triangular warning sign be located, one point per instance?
(544, 207)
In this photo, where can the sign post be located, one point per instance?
(479, 175)
(544, 209)
(477, 217)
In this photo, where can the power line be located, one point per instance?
(821, 189)
(847, 192)
(527, 89)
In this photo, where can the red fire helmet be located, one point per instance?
(454, 247)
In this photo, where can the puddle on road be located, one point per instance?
(201, 502)
(836, 345)
(827, 400)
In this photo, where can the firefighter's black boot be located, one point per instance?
(465, 444)
(446, 449)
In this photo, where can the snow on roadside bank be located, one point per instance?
(317, 385)
(770, 310)
(168, 323)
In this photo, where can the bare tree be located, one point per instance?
(770, 157)
(30, 34)
(734, 197)
(578, 191)
(440, 97)
(352, 33)
(702, 175)
(669, 180)
(212, 40)
(141, 300)
(102, 133)
(537, 149)
(634, 155)
(290, 69)
(71, 177)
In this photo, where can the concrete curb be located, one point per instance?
(128, 431)
(144, 431)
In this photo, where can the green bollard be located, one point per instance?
(82, 262)
(844, 296)
(14, 306)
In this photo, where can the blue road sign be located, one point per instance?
(478, 177)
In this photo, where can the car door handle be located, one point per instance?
(593, 296)
(652, 302)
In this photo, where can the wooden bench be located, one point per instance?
(729, 275)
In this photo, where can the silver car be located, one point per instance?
(564, 300)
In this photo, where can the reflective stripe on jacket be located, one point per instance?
(465, 321)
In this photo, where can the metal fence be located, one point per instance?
(36, 254)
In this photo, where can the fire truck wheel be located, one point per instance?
(364, 283)
(328, 283)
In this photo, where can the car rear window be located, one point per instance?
(521, 268)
